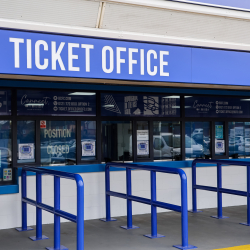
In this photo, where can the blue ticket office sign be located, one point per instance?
(56, 103)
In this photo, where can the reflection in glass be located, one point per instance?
(166, 140)
(142, 131)
(239, 139)
(58, 143)
(5, 147)
(117, 141)
(88, 140)
(25, 141)
(197, 139)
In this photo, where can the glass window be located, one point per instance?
(5, 102)
(58, 143)
(117, 141)
(5, 152)
(88, 140)
(247, 139)
(142, 142)
(167, 140)
(25, 141)
(239, 139)
(197, 139)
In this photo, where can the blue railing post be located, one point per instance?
(248, 198)
(219, 194)
(153, 208)
(80, 215)
(57, 228)
(153, 201)
(107, 188)
(129, 202)
(24, 204)
(39, 235)
(184, 214)
(79, 218)
(194, 191)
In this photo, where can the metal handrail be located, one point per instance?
(183, 209)
(78, 219)
(219, 188)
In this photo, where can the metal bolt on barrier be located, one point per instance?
(79, 219)
(153, 201)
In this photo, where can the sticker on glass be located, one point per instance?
(26, 151)
(142, 148)
(219, 146)
(7, 174)
(88, 148)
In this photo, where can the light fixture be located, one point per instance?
(34, 104)
(171, 96)
(108, 106)
(188, 96)
(82, 93)
(245, 100)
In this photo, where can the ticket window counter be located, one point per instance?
(117, 141)
(167, 140)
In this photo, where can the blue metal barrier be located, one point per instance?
(78, 219)
(183, 209)
(219, 188)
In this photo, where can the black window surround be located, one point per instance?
(98, 118)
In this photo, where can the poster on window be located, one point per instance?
(142, 135)
(26, 151)
(142, 148)
(88, 148)
(219, 131)
(219, 146)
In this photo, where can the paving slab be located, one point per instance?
(204, 232)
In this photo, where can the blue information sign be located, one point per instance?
(202, 106)
(140, 105)
(56, 103)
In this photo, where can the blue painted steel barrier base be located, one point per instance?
(19, 229)
(111, 219)
(34, 238)
(129, 228)
(61, 248)
(154, 237)
(219, 218)
(245, 224)
(195, 212)
(188, 247)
